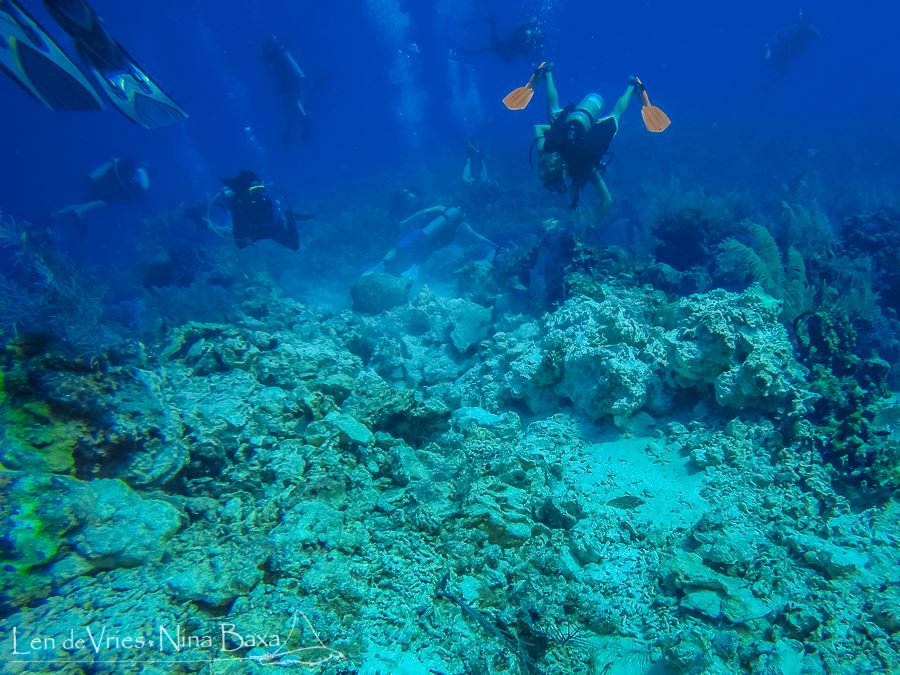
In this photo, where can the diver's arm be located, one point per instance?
(488, 249)
(421, 214)
(539, 131)
(466, 229)
(605, 196)
(98, 173)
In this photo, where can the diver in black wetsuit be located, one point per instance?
(293, 88)
(790, 43)
(255, 215)
(525, 42)
(571, 147)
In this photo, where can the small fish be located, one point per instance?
(627, 502)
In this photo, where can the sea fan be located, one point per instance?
(796, 289)
(808, 226)
(743, 265)
(765, 246)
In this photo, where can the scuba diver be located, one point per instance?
(525, 41)
(573, 144)
(118, 181)
(293, 88)
(31, 57)
(475, 170)
(480, 189)
(437, 227)
(255, 215)
(790, 43)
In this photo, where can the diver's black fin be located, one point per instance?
(34, 60)
(133, 93)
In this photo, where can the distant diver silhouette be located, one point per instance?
(525, 41)
(293, 88)
(790, 43)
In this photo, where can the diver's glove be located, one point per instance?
(635, 81)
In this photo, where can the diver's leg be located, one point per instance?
(622, 103)
(80, 211)
(292, 236)
(604, 195)
(553, 108)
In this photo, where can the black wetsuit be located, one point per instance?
(254, 217)
(581, 151)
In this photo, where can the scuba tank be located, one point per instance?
(586, 113)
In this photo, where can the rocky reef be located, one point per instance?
(631, 481)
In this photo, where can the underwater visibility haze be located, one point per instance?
(393, 337)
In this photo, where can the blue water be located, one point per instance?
(702, 59)
(296, 417)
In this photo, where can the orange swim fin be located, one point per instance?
(654, 119)
(520, 97)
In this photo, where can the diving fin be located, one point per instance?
(654, 119)
(118, 76)
(34, 60)
(133, 93)
(520, 97)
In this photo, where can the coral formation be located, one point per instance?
(633, 350)
(581, 462)
(762, 263)
(45, 293)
